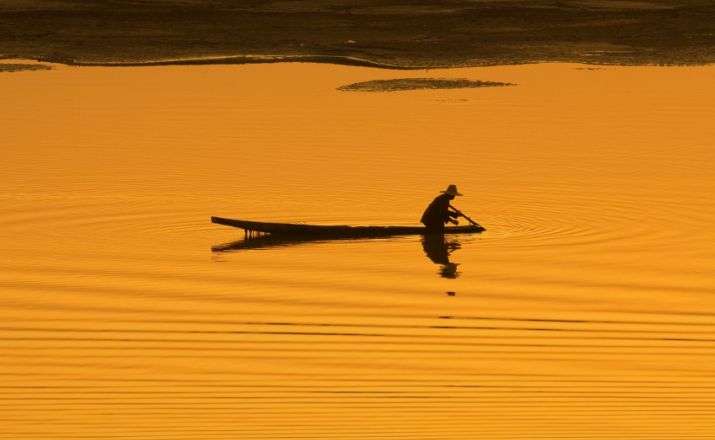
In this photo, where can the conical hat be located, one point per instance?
(452, 191)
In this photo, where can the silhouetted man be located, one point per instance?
(438, 214)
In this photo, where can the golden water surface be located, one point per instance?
(586, 311)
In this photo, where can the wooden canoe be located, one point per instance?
(302, 230)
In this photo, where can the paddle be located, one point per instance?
(461, 214)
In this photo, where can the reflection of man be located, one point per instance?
(438, 213)
(438, 249)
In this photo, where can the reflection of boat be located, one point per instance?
(264, 242)
(437, 247)
(301, 230)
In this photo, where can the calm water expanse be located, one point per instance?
(586, 311)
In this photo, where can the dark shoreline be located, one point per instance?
(46, 64)
(391, 34)
(22, 67)
(241, 59)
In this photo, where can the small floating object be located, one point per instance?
(339, 231)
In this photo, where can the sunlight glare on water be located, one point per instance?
(585, 311)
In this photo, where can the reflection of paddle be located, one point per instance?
(461, 214)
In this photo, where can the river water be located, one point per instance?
(587, 309)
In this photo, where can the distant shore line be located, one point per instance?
(241, 59)
(319, 59)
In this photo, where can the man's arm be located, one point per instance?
(451, 218)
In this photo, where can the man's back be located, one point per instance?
(437, 213)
